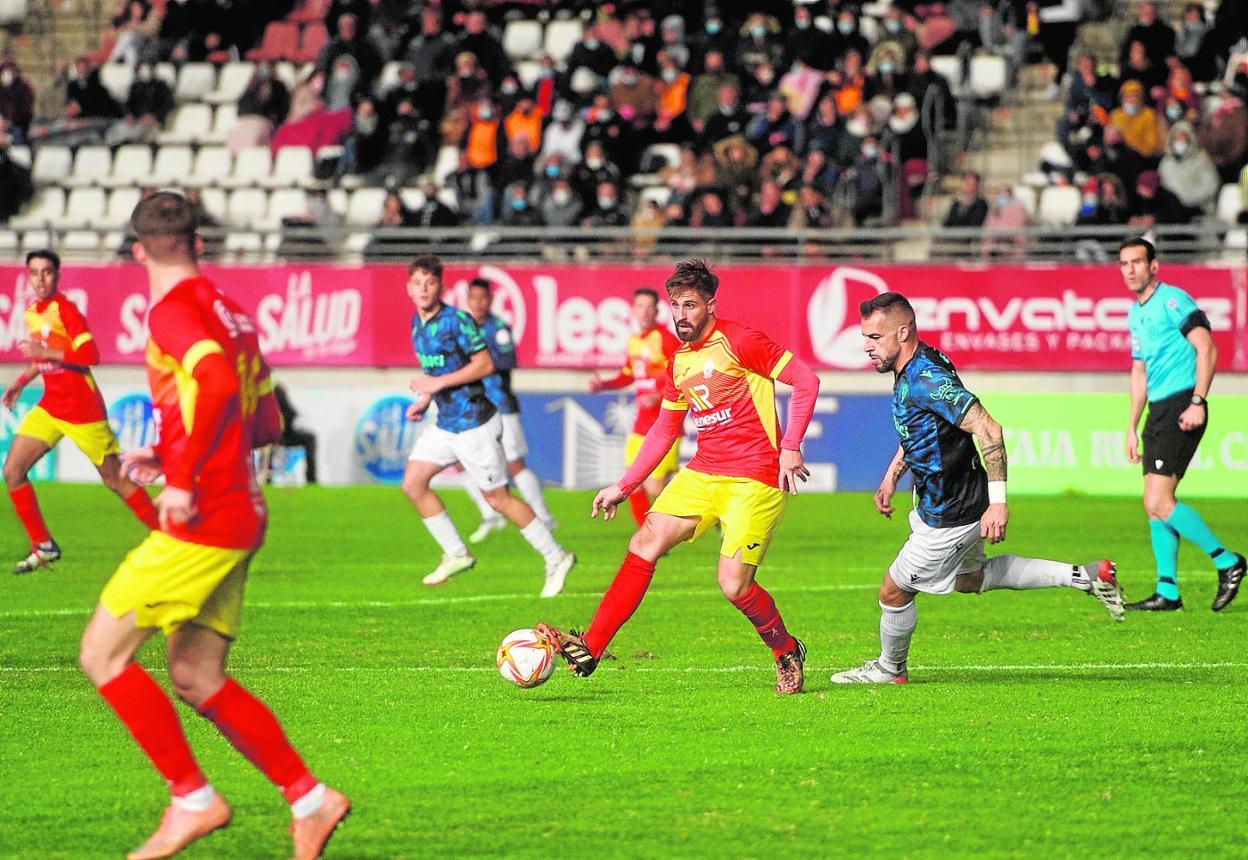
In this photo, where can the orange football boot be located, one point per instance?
(312, 833)
(180, 827)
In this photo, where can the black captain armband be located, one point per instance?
(1196, 319)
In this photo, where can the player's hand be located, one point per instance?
(10, 396)
(415, 412)
(426, 384)
(177, 507)
(606, 501)
(1133, 446)
(595, 384)
(792, 469)
(36, 351)
(142, 465)
(883, 497)
(992, 523)
(1192, 417)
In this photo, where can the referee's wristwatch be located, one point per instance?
(1197, 400)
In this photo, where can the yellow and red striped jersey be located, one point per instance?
(69, 389)
(648, 355)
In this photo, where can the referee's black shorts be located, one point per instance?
(1167, 448)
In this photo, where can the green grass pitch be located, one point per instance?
(1032, 725)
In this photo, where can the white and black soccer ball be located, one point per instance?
(526, 658)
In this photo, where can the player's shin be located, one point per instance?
(1018, 574)
(757, 605)
(1187, 522)
(530, 488)
(618, 604)
(140, 703)
(537, 533)
(445, 533)
(897, 625)
(27, 508)
(1165, 542)
(483, 506)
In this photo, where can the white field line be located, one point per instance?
(981, 668)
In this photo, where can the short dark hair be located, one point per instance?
(480, 283)
(1150, 250)
(693, 275)
(164, 223)
(45, 254)
(429, 262)
(886, 302)
(647, 291)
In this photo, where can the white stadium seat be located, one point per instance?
(949, 67)
(389, 77)
(989, 76)
(190, 124)
(117, 78)
(292, 167)
(522, 39)
(669, 152)
(223, 121)
(121, 203)
(48, 205)
(246, 206)
(285, 203)
(231, 83)
(214, 200)
(13, 11)
(195, 82)
(172, 165)
(413, 198)
(20, 155)
(92, 165)
(1059, 205)
(132, 165)
(168, 73)
(366, 206)
(1230, 203)
(528, 71)
(660, 194)
(446, 163)
(562, 37)
(84, 208)
(584, 81)
(76, 242)
(213, 166)
(52, 165)
(251, 166)
(1026, 195)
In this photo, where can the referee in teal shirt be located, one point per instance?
(1172, 364)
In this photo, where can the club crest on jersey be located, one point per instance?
(708, 369)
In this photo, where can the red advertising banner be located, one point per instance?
(1016, 318)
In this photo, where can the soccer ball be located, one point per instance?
(526, 658)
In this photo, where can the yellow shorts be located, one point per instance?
(166, 582)
(750, 511)
(669, 465)
(95, 438)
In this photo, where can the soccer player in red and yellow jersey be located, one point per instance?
(62, 350)
(648, 351)
(724, 373)
(214, 399)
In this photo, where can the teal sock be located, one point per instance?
(1166, 551)
(1184, 520)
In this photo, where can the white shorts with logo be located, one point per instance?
(514, 445)
(933, 558)
(479, 451)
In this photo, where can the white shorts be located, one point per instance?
(514, 445)
(479, 451)
(932, 558)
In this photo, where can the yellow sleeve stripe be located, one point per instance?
(200, 350)
(781, 364)
(265, 387)
(674, 406)
(82, 338)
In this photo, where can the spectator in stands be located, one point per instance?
(728, 120)
(759, 43)
(1154, 35)
(1190, 43)
(14, 179)
(1223, 134)
(869, 179)
(474, 189)
(1187, 172)
(136, 29)
(478, 41)
(484, 140)
(525, 120)
(775, 127)
(388, 25)
(365, 145)
(770, 210)
(642, 43)
(848, 82)
(1000, 34)
(822, 132)
(307, 97)
(618, 140)
(394, 212)
(427, 97)
(672, 40)
(409, 144)
(591, 54)
(468, 86)
(516, 209)
(1090, 95)
(342, 84)
(431, 52)
(1180, 91)
(433, 212)
(1154, 204)
(357, 9)
(737, 166)
(969, 208)
(1115, 203)
(266, 96)
(1140, 67)
(564, 134)
(1003, 226)
(606, 211)
(800, 87)
(1112, 155)
(931, 92)
(17, 101)
(1090, 213)
(710, 211)
(561, 207)
(812, 211)
(807, 43)
(858, 127)
(148, 104)
(1055, 23)
(885, 72)
(670, 123)
(552, 168)
(704, 94)
(517, 163)
(85, 96)
(595, 170)
(184, 29)
(349, 40)
(635, 95)
(849, 36)
(1141, 130)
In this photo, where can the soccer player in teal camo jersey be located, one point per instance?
(1172, 364)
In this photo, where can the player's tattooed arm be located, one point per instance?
(987, 433)
(888, 485)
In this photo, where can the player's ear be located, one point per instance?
(199, 246)
(139, 253)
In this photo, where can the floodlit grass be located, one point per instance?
(1032, 725)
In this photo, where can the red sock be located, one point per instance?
(618, 604)
(253, 730)
(756, 604)
(142, 705)
(27, 508)
(141, 503)
(639, 504)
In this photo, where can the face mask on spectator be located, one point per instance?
(561, 197)
(510, 89)
(605, 115)
(486, 114)
(366, 124)
(263, 72)
(845, 27)
(758, 31)
(606, 201)
(892, 25)
(1174, 110)
(628, 80)
(713, 27)
(1131, 108)
(802, 23)
(886, 67)
(1003, 200)
(518, 204)
(669, 75)
(144, 73)
(1090, 201)
(7, 77)
(765, 77)
(727, 110)
(1180, 147)
(870, 151)
(857, 127)
(593, 163)
(552, 170)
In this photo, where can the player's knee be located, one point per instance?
(14, 475)
(192, 684)
(645, 541)
(891, 595)
(733, 587)
(515, 467)
(1158, 507)
(497, 498)
(969, 583)
(98, 663)
(415, 488)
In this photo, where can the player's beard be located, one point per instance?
(691, 334)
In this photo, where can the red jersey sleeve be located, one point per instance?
(671, 343)
(81, 349)
(758, 353)
(180, 330)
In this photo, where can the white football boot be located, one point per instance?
(1103, 575)
(556, 573)
(448, 567)
(870, 672)
(488, 527)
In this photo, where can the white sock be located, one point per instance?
(445, 533)
(531, 491)
(896, 629)
(539, 537)
(310, 802)
(474, 493)
(196, 801)
(1018, 573)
